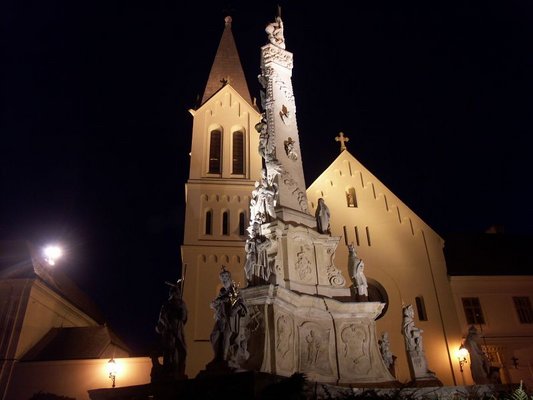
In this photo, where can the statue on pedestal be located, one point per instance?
(415, 348)
(479, 362)
(412, 334)
(170, 326)
(229, 308)
(356, 268)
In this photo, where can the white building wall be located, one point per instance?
(502, 333)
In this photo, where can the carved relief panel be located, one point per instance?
(355, 358)
(284, 345)
(314, 349)
(302, 263)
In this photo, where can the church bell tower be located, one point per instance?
(224, 166)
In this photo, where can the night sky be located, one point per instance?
(436, 97)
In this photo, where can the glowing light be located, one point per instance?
(461, 354)
(112, 370)
(52, 253)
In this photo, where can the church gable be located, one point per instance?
(352, 186)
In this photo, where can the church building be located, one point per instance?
(403, 256)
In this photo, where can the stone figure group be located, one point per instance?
(262, 203)
(170, 327)
(356, 268)
(262, 209)
(256, 267)
(229, 308)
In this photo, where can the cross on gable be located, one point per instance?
(343, 139)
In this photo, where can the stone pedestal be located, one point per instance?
(422, 376)
(328, 341)
(302, 259)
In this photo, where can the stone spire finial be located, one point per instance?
(343, 139)
(227, 21)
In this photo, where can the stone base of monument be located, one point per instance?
(236, 385)
(216, 368)
(423, 377)
(256, 385)
(327, 340)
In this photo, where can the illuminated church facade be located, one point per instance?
(404, 257)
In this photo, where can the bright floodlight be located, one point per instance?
(52, 253)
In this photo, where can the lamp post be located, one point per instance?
(112, 369)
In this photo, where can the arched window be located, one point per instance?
(215, 155)
(238, 153)
(241, 223)
(225, 223)
(208, 222)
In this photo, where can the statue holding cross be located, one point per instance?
(343, 139)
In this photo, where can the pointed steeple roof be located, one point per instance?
(227, 68)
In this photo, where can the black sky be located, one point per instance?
(436, 97)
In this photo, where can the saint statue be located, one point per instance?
(384, 348)
(263, 200)
(229, 308)
(356, 268)
(170, 326)
(479, 362)
(322, 216)
(275, 33)
(412, 334)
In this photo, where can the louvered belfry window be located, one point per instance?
(238, 153)
(215, 151)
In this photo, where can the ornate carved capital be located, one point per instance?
(273, 54)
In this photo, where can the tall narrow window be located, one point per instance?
(472, 309)
(241, 223)
(238, 153)
(208, 222)
(421, 308)
(523, 309)
(351, 200)
(225, 223)
(345, 235)
(368, 236)
(215, 151)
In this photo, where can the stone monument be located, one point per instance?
(298, 318)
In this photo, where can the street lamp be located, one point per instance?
(461, 356)
(112, 369)
(51, 253)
